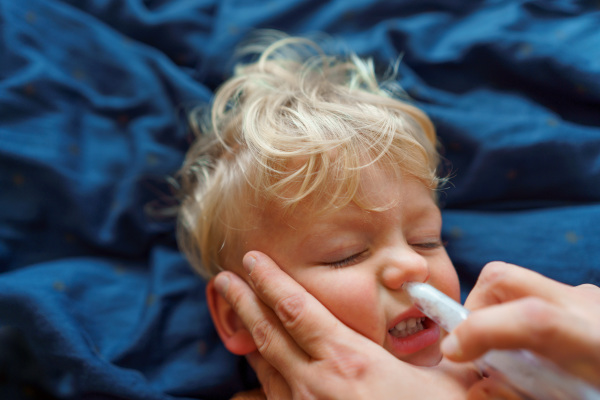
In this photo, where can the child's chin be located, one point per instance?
(428, 358)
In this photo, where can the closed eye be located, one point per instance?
(435, 244)
(353, 259)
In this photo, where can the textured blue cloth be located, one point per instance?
(96, 301)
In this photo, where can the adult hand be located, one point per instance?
(516, 308)
(304, 352)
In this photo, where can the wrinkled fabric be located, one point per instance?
(95, 299)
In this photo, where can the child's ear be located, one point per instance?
(230, 328)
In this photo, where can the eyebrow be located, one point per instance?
(325, 229)
(355, 216)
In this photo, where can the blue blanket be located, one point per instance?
(95, 299)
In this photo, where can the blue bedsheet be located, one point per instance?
(95, 299)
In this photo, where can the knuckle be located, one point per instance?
(263, 335)
(589, 291)
(290, 310)
(589, 295)
(494, 274)
(350, 366)
(588, 286)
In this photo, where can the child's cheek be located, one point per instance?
(351, 297)
(447, 282)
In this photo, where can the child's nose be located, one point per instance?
(402, 266)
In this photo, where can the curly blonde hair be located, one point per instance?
(295, 124)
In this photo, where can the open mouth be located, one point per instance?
(413, 335)
(409, 327)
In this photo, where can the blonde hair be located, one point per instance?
(294, 124)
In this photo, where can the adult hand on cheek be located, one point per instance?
(516, 308)
(304, 352)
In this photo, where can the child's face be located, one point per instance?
(355, 261)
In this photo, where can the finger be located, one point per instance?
(521, 324)
(308, 322)
(466, 374)
(267, 332)
(490, 389)
(590, 289)
(501, 282)
(273, 383)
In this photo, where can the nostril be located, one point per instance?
(393, 278)
(394, 275)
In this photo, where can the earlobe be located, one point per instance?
(230, 328)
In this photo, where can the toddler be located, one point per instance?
(311, 160)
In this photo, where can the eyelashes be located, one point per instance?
(432, 245)
(358, 257)
(353, 259)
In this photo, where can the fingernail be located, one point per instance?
(221, 283)
(249, 263)
(450, 346)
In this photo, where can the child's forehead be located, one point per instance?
(378, 190)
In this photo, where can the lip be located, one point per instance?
(418, 341)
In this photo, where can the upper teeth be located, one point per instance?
(408, 327)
